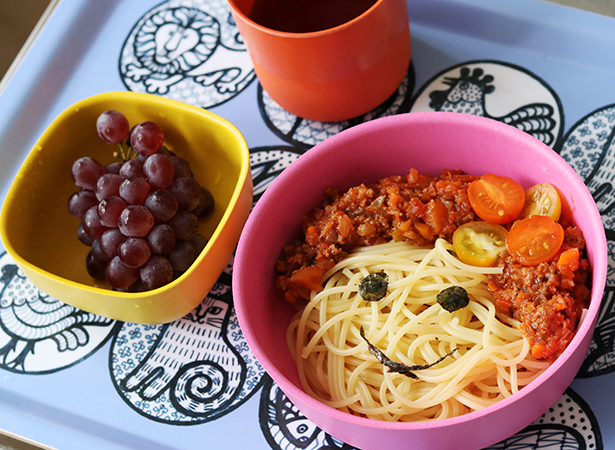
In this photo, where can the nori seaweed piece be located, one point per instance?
(399, 367)
(374, 286)
(453, 298)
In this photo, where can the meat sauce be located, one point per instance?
(547, 299)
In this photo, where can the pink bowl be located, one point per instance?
(429, 142)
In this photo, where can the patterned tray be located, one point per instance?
(71, 380)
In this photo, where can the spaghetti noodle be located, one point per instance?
(492, 358)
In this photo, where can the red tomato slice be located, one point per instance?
(496, 199)
(534, 240)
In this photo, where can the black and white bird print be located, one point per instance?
(467, 95)
(29, 317)
(526, 102)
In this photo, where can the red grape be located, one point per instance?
(132, 167)
(98, 252)
(158, 170)
(80, 201)
(199, 242)
(134, 190)
(83, 236)
(86, 171)
(110, 242)
(184, 224)
(206, 204)
(119, 275)
(188, 193)
(161, 238)
(182, 255)
(136, 221)
(156, 272)
(109, 211)
(114, 167)
(91, 223)
(108, 185)
(112, 127)
(182, 167)
(146, 138)
(134, 252)
(95, 267)
(162, 204)
(165, 151)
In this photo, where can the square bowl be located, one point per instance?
(428, 142)
(40, 234)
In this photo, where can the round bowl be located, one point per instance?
(40, 234)
(429, 142)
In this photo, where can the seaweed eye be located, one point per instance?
(374, 286)
(453, 298)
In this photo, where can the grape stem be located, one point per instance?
(123, 156)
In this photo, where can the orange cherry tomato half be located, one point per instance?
(496, 199)
(534, 240)
(542, 199)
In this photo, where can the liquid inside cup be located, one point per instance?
(305, 16)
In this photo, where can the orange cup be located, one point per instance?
(333, 74)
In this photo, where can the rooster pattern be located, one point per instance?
(520, 99)
(187, 50)
(589, 147)
(38, 333)
(193, 370)
(304, 133)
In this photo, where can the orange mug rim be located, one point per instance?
(308, 34)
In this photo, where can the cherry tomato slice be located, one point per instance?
(534, 240)
(496, 199)
(542, 199)
(479, 243)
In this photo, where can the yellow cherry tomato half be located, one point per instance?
(534, 240)
(542, 200)
(479, 243)
(496, 199)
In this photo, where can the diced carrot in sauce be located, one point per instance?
(309, 277)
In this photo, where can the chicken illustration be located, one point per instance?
(29, 316)
(467, 95)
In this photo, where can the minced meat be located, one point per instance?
(417, 208)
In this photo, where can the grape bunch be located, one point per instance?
(139, 215)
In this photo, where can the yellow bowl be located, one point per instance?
(39, 233)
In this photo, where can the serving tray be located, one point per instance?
(103, 384)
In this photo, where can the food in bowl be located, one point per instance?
(54, 260)
(140, 215)
(429, 142)
(443, 337)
